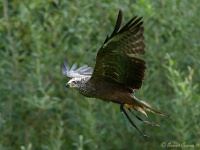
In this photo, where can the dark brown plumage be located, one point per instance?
(118, 70)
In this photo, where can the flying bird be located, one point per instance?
(118, 71)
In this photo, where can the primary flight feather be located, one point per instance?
(118, 70)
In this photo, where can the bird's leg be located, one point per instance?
(123, 111)
(147, 122)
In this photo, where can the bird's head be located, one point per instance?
(74, 83)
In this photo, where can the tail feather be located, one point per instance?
(142, 105)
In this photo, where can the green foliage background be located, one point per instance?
(38, 112)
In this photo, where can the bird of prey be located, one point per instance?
(118, 70)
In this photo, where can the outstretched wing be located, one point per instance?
(116, 60)
(75, 73)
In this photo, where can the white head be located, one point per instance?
(75, 83)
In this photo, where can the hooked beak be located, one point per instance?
(67, 85)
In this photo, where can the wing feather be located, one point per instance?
(75, 73)
(74, 66)
(116, 60)
(118, 24)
